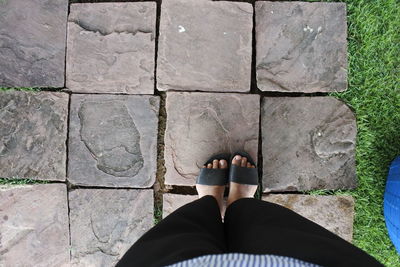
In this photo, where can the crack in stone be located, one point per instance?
(90, 28)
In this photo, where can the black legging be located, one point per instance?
(251, 226)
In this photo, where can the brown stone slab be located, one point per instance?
(335, 213)
(111, 48)
(32, 38)
(106, 222)
(205, 46)
(172, 202)
(202, 124)
(33, 133)
(301, 47)
(34, 225)
(307, 143)
(113, 140)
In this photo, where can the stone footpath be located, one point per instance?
(95, 139)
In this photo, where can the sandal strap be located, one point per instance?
(213, 176)
(243, 175)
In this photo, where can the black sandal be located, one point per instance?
(214, 176)
(243, 175)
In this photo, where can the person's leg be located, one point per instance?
(258, 227)
(193, 230)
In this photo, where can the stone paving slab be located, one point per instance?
(34, 225)
(307, 143)
(202, 124)
(335, 213)
(111, 48)
(301, 47)
(32, 43)
(205, 46)
(113, 140)
(33, 134)
(106, 222)
(172, 202)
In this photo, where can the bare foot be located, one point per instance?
(237, 191)
(216, 191)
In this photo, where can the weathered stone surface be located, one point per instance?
(307, 143)
(113, 140)
(172, 202)
(301, 47)
(111, 48)
(205, 45)
(335, 213)
(32, 43)
(106, 222)
(202, 124)
(33, 133)
(34, 225)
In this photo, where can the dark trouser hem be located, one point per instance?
(193, 230)
(251, 226)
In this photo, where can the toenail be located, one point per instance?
(237, 157)
(222, 162)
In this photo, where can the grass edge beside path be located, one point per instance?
(374, 94)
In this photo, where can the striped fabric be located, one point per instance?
(242, 260)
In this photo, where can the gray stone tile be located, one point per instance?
(301, 47)
(111, 48)
(205, 45)
(307, 143)
(32, 38)
(335, 213)
(34, 225)
(33, 135)
(106, 222)
(172, 202)
(202, 124)
(113, 140)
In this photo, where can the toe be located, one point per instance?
(215, 164)
(236, 160)
(248, 165)
(244, 162)
(223, 164)
(209, 165)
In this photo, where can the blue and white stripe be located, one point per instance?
(243, 260)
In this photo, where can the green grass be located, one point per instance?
(374, 94)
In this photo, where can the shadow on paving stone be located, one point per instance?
(106, 222)
(33, 134)
(113, 140)
(34, 225)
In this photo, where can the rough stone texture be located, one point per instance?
(33, 133)
(34, 225)
(205, 46)
(301, 47)
(32, 43)
(335, 213)
(111, 48)
(113, 140)
(203, 124)
(307, 143)
(172, 202)
(106, 222)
